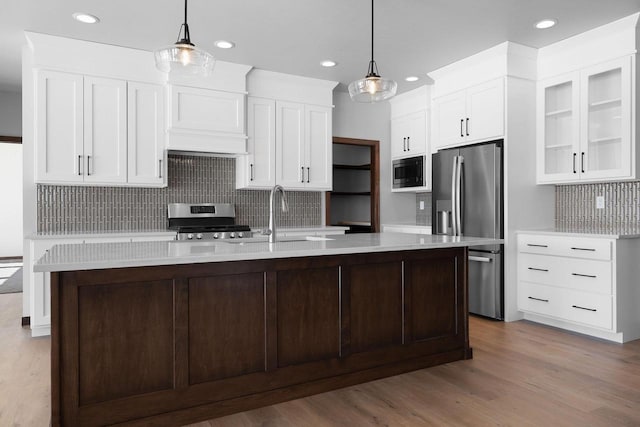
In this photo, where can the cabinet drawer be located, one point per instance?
(539, 299)
(573, 273)
(590, 309)
(575, 247)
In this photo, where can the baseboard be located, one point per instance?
(26, 321)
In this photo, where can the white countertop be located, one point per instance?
(598, 233)
(412, 226)
(91, 256)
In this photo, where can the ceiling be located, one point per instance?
(412, 37)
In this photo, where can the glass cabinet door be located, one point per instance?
(605, 150)
(558, 117)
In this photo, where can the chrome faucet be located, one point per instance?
(271, 231)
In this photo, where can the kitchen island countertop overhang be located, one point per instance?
(74, 257)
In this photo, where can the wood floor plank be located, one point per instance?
(522, 374)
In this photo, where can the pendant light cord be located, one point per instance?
(187, 36)
(371, 30)
(185, 11)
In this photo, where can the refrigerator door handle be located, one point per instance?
(454, 228)
(459, 195)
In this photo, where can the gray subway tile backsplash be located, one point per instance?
(191, 179)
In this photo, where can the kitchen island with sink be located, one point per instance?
(167, 333)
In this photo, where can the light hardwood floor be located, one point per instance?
(522, 374)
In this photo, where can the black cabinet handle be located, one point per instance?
(583, 308)
(538, 299)
(582, 161)
(537, 246)
(88, 165)
(308, 173)
(404, 144)
(302, 170)
(251, 172)
(574, 163)
(159, 168)
(408, 143)
(584, 249)
(79, 165)
(537, 269)
(467, 126)
(583, 275)
(461, 131)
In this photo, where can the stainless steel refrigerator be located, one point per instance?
(468, 200)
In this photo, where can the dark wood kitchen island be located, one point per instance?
(167, 333)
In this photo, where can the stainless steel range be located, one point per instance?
(206, 221)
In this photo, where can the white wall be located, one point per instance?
(11, 197)
(10, 175)
(372, 121)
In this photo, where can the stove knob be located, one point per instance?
(232, 235)
(199, 236)
(216, 236)
(240, 235)
(189, 236)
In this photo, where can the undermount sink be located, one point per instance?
(264, 239)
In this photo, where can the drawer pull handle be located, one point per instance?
(584, 249)
(537, 246)
(537, 269)
(539, 299)
(583, 308)
(583, 275)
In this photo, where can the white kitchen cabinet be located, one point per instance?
(472, 115)
(257, 169)
(584, 122)
(584, 284)
(98, 131)
(105, 130)
(409, 135)
(206, 120)
(146, 163)
(303, 146)
(59, 133)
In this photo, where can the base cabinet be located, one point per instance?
(176, 344)
(587, 285)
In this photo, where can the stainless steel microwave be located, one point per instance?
(408, 172)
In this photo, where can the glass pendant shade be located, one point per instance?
(372, 88)
(183, 57)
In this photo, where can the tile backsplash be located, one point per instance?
(423, 217)
(191, 179)
(576, 206)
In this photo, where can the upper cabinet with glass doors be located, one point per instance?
(585, 125)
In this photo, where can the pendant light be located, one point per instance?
(183, 57)
(372, 88)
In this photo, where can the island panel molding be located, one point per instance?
(192, 179)
(279, 331)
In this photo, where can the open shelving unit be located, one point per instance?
(355, 201)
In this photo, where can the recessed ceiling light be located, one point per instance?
(546, 23)
(223, 44)
(328, 63)
(85, 18)
(412, 78)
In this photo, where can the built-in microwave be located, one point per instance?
(408, 172)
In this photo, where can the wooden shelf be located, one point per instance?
(350, 193)
(366, 167)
